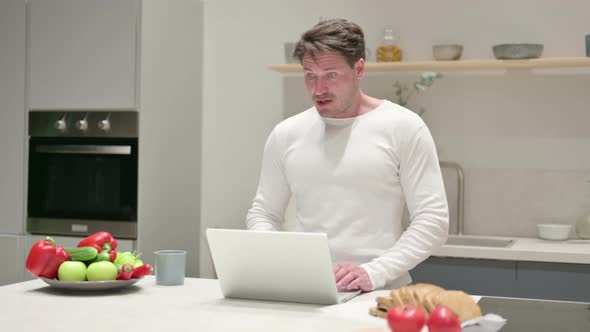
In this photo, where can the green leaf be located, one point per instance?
(420, 87)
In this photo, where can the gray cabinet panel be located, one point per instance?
(82, 54)
(12, 116)
(538, 280)
(474, 276)
(12, 259)
(567, 282)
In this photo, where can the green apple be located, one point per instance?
(137, 263)
(72, 271)
(101, 271)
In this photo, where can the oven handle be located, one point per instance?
(85, 149)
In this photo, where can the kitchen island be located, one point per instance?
(198, 305)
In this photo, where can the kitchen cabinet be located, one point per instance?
(82, 54)
(474, 276)
(169, 208)
(12, 258)
(12, 116)
(539, 280)
(569, 282)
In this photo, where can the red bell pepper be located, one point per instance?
(113, 256)
(45, 257)
(102, 241)
(141, 271)
(126, 272)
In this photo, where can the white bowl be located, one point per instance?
(447, 52)
(555, 232)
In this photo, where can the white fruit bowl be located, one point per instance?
(554, 232)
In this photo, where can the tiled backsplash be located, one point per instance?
(524, 142)
(511, 202)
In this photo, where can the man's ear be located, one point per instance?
(359, 68)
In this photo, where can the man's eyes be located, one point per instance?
(311, 77)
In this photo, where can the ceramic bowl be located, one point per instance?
(517, 51)
(446, 52)
(554, 232)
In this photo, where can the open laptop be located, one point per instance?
(275, 266)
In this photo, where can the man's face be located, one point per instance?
(332, 84)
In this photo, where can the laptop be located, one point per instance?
(275, 266)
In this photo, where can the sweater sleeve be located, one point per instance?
(424, 191)
(272, 196)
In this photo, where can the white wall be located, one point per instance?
(170, 128)
(522, 136)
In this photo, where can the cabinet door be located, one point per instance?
(474, 276)
(82, 54)
(12, 115)
(554, 281)
(12, 259)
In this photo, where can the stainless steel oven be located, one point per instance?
(83, 173)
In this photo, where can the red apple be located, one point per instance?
(443, 319)
(406, 318)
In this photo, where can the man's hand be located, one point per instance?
(350, 276)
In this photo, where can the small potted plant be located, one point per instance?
(404, 92)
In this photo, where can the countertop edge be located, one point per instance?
(523, 249)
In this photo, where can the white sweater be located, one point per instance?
(351, 178)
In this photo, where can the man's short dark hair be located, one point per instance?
(332, 36)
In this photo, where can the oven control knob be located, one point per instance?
(82, 125)
(60, 125)
(104, 125)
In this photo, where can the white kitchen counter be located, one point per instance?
(199, 306)
(196, 306)
(525, 249)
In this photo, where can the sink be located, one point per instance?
(457, 240)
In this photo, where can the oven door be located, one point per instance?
(78, 186)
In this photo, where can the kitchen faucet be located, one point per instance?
(461, 189)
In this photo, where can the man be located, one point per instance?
(352, 161)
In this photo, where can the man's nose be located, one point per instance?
(320, 87)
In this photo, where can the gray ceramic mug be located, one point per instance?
(170, 267)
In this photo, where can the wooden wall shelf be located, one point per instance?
(458, 65)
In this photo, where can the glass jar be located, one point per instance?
(389, 49)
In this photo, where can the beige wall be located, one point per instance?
(522, 136)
